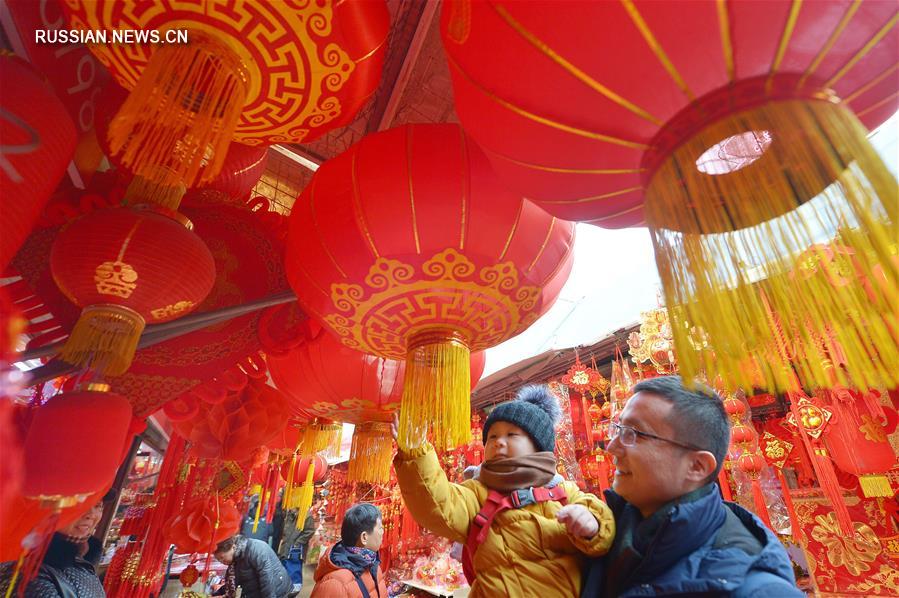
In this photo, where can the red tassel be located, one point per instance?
(726, 494)
(795, 528)
(34, 547)
(761, 508)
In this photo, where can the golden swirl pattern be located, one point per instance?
(852, 553)
(292, 62)
(484, 305)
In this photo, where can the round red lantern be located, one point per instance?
(702, 119)
(74, 445)
(243, 166)
(38, 143)
(125, 267)
(406, 247)
(324, 378)
(742, 435)
(202, 524)
(310, 72)
(301, 469)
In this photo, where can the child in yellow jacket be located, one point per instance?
(533, 550)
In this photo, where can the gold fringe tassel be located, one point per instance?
(371, 454)
(747, 298)
(147, 191)
(104, 339)
(320, 436)
(301, 498)
(175, 126)
(436, 392)
(875, 485)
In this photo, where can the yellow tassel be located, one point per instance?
(104, 339)
(262, 496)
(176, 124)
(875, 485)
(304, 497)
(747, 298)
(146, 191)
(288, 488)
(319, 436)
(436, 391)
(371, 454)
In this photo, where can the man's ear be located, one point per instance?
(702, 465)
(363, 538)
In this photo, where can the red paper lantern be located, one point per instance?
(702, 119)
(324, 378)
(126, 267)
(301, 469)
(93, 427)
(311, 71)
(243, 166)
(742, 435)
(406, 247)
(245, 414)
(38, 143)
(202, 524)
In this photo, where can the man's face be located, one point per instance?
(225, 557)
(372, 540)
(652, 472)
(506, 440)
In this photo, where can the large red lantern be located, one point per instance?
(310, 71)
(324, 378)
(38, 143)
(712, 122)
(92, 426)
(406, 247)
(125, 267)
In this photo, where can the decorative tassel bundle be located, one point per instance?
(729, 234)
(371, 453)
(143, 190)
(175, 126)
(320, 436)
(104, 339)
(436, 392)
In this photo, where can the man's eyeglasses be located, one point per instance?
(627, 436)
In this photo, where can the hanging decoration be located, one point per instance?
(202, 524)
(580, 377)
(407, 262)
(310, 73)
(721, 123)
(776, 452)
(653, 343)
(38, 143)
(371, 453)
(124, 267)
(622, 383)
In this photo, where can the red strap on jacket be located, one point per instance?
(495, 504)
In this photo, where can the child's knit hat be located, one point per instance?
(535, 410)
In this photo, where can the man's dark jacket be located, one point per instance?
(698, 545)
(258, 571)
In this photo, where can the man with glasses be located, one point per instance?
(675, 535)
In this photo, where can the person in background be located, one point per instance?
(68, 567)
(255, 567)
(265, 531)
(294, 545)
(526, 530)
(675, 535)
(350, 569)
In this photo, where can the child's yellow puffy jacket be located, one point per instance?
(526, 552)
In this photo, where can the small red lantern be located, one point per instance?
(74, 445)
(742, 435)
(126, 267)
(301, 469)
(38, 142)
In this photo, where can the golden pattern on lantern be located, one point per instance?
(449, 284)
(853, 552)
(116, 278)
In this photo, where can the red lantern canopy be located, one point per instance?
(407, 248)
(703, 119)
(125, 267)
(202, 524)
(92, 426)
(38, 143)
(311, 71)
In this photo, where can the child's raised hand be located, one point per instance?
(578, 520)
